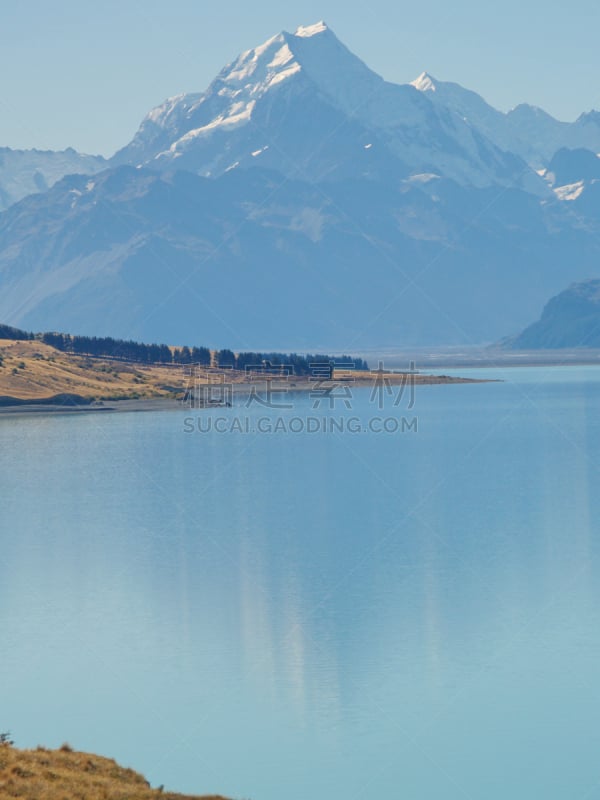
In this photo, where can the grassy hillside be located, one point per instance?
(32, 370)
(66, 775)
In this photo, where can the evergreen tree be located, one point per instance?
(183, 355)
(201, 355)
(226, 358)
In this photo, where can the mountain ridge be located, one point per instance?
(570, 319)
(254, 262)
(333, 89)
(526, 129)
(337, 210)
(394, 130)
(25, 172)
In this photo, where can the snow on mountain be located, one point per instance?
(424, 83)
(469, 105)
(571, 165)
(569, 191)
(306, 31)
(256, 92)
(303, 104)
(574, 176)
(24, 172)
(526, 130)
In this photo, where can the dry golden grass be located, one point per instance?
(32, 370)
(67, 775)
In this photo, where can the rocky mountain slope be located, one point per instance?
(255, 262)
(569, 320)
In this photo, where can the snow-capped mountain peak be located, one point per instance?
(310, 82)
(312, 59)
(424, 83)
(306, 31)
(313, 49)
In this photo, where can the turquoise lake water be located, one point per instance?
(337, 615)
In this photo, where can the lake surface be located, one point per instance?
(336, 615)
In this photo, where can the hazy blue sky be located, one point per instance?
(82, 73)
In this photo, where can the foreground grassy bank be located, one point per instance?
(68, 775)
(32, 370)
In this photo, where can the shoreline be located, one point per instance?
(104, 407)
(239, 391)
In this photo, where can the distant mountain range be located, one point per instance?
(24, 172)
(525, 130)
(303, 201)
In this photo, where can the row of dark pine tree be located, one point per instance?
(290, 363)
(106, 346)
(126, 350)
